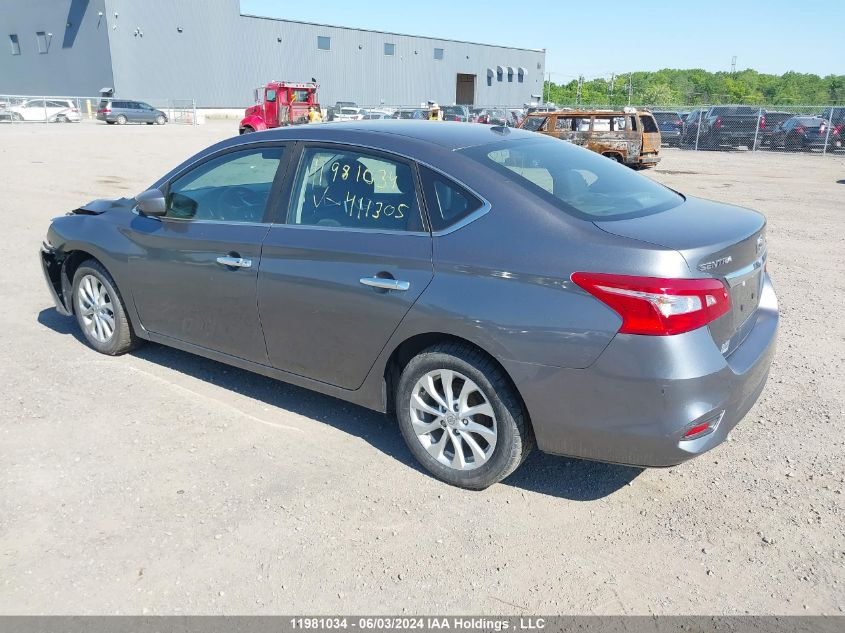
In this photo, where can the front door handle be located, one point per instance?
(234, 262)
(385, 283)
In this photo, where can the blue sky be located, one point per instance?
(596, 39)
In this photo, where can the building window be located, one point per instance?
(510, 74)
(438, 53)
(16, 45)
(324, 43)
(520, 75)
(489, 76)
(500, 72)
(389, 49)
(41, 38)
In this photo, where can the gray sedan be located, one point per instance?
(493, 287)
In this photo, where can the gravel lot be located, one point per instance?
(164, 483)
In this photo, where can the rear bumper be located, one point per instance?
(648, 159)
(633, 405)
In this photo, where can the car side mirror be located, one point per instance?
(151, 203)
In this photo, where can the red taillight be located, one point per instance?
(104, 111)
(656, 306)
(762, 122)
(800, 129)
(718, 122)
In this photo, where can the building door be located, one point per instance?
(465, 89)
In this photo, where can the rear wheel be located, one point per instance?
(100, 311)
(614, 157)
(460, 417)
(120, 120)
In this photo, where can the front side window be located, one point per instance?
(578, 181)
(233, 187)
(341, 188)
(271, 96)
(324, 43)
(298, 95)
(535, 123)
(447, 202)
(16, 45)
(389, 49)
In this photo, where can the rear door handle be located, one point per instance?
(234, 262)
(385, 283)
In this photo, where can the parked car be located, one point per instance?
(627, 136)
(804, 133)
(456, 113)
(730, 125)
(671, 126)
(411, 113)
(632, 324)
(49, 110)
(769, 121)
(350, 114)
(690, 133)
(373, 114)
(494, 116)
(123, 111)
(334, 110)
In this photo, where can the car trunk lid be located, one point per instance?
(716, 240)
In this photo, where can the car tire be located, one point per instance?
(492, 442)
(120, 120)
(109, 122)
(247, 130)
(100, 311)
(161, 119)
(16, 117)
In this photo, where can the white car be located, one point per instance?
(350, 114)
(50, 110)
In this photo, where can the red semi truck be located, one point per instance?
(283, 103)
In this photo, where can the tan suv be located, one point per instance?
(627, 136)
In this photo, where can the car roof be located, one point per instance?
(446, 134)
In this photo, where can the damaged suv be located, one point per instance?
(627, 136)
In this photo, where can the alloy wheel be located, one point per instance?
(94, 305)
(453, 419)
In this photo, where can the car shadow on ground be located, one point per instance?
(573, 479)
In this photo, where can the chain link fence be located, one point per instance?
(808, 128)
(21, 109)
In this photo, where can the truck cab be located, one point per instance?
(279, 103)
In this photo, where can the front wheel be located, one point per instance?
(461, 418)
(160, 120)
(100, 311)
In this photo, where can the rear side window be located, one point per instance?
(578, 181)
(447, 202)
(345, 189)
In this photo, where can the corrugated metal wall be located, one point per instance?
(206, 50)
(76, 61)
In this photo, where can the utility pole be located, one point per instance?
(733, 65)
(578, 92)
(610, 88)
(630, 89)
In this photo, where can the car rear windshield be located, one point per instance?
(729, 110)
(578, 181)
(663, 117)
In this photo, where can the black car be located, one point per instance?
(671, 126)
(804, 133)
(769, 122)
